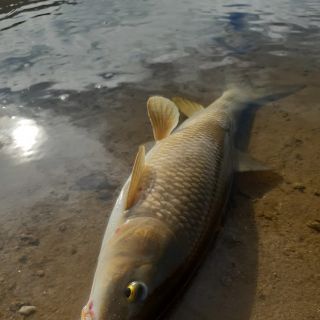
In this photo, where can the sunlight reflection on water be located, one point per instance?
(26, 135)
(22, 138)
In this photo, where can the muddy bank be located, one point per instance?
(55, 202)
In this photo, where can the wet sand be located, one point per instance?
(55, 204)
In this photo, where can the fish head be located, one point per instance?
(137, 261)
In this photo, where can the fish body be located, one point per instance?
(157, 235)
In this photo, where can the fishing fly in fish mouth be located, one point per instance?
(168, 210)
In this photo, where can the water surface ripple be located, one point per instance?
(76, 44)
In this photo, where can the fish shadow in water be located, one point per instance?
(225, 285)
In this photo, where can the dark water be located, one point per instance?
(74, 79)
(80, 44)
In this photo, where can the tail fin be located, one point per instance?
(246, 100)
(258, 96)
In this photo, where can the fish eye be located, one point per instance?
(136, 291)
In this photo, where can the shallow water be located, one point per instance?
(75, 76)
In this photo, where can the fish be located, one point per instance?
(169, 209)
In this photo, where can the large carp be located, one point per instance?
(168, 210)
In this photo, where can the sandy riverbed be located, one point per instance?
(265, 264)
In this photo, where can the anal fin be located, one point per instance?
(164, 116)
(246, 163)
(186, 106)
(135, 182)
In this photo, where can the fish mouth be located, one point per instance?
(87, 312)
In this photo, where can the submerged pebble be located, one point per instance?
(315, 225)
(29, 240)
(299, 186)
(62, 228)
(27, 310)
(40, 273)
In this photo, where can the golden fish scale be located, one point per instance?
(184, 180)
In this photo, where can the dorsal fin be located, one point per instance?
(164, 116)
(138, 167)
(186, 106)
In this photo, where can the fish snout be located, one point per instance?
(87, 312)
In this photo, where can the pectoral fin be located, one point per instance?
(137, 171)
(186, 106)
(164, 116)
(247, 163)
